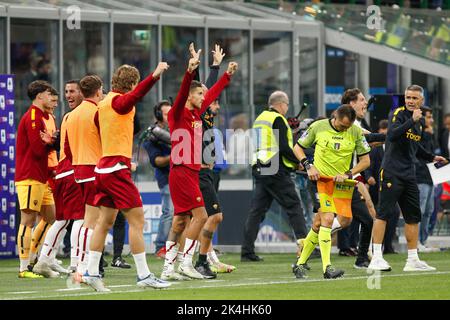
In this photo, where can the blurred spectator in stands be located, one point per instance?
(29, 76)
(44, 70)
(444, 141)
(424, 182)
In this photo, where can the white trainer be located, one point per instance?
(56, 267)
(44, 269)
(167, 275)
(378, 263)
(417, 265)
(424, 249)
(152, 281)
(189, 271)
(95, 282)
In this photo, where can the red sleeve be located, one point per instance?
(38, 147)
(124, 104)
(215, 91)
(180, 101)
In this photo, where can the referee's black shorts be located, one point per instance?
(209, 193)
(395, 188)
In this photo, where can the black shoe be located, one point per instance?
(251, 258)
(300, 271)
(332, 273)
(305, 265)
(204, 270)
(362, 263)
(119, 262)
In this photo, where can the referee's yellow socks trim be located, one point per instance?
(325, 246)
(310, 243)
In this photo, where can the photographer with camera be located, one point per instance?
(157, 145)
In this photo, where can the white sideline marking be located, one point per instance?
(293, 280)
(23, 292)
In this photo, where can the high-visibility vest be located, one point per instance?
(266, 144)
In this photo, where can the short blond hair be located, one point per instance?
(124, 78)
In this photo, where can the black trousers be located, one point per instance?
(361, 214)
(348, 238)
(267, 188)
(118, 234)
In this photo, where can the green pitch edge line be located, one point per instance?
(293, 281)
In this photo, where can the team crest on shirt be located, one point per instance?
(215, 206)
(196, 124)
(389, 184)
(35, 202)
(198, 199)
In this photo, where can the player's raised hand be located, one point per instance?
(217, 55)
(194, 62)
(162, 66)
(232, 67)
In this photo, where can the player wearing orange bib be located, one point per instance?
(116, 190)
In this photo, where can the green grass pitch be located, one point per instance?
(271, 279)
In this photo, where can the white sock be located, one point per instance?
(213, 256)
(32, 256)
(189, 250)
(171, 253)
(93, 262)
(180, 257)
(377, 250)
(24, 264)
(85, 240)
(336, 226)
(141, 265)
(58, 244)
(412, 254)
(74, 239)
(52, 240)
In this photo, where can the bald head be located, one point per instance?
(279, 101)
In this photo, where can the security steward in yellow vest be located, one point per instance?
(272, 165)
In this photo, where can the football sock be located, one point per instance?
(93, 263)
(37, 238)
(141, 265)
(85, 240)
(171, 253)
(52, 240)
(325, 246)
(189, 248)
(74, 240)
(310, 243)
(23, 244)
(377, 250)
(213, 256)
(412, 254)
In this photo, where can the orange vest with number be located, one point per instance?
(116, 130)
(83, 135)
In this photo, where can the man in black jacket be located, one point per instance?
(398, 179)
(273, 163)
(424, 181)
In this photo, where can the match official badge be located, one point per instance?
(337, 146)
(198, 199)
